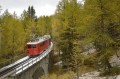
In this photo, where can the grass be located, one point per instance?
(112, 72)
(84, 69)
(67, 75)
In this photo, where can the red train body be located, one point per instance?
(38, 45)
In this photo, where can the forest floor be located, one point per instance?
(115, 61)
(89, 72)
(95, 75)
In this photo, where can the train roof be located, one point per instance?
(39, 39)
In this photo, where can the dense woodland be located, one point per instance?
(73, 27)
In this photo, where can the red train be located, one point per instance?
(37, 46)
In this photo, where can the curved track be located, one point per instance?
(22, 64)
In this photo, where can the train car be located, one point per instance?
(37, 46)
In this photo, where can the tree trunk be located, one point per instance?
(77, 75)
(108, 64)
(117, 54)
(102, 17)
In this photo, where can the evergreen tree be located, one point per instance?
(31, 12)
(29, 21)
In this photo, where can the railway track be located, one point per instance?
(22, 64)
(7, 70)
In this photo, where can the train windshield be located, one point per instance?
(31, 46)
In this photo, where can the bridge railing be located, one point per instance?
(32, 61)
(23, 64)
(6, 62)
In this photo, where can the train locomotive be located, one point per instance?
(38, 45)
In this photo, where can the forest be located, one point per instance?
(75, 28)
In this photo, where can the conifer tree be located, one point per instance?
(31, 12)
(100, 27)
(68, 15)
(11, 36)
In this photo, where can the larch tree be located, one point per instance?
(6, 18)
(44, 25)
(99, 26)
(11, 35)
(68, 16)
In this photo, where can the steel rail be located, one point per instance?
(22, 64)
(5, 71)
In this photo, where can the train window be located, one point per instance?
(33, 46)
(29, 46)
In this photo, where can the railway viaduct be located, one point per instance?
(34, 72)
(30, 68)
